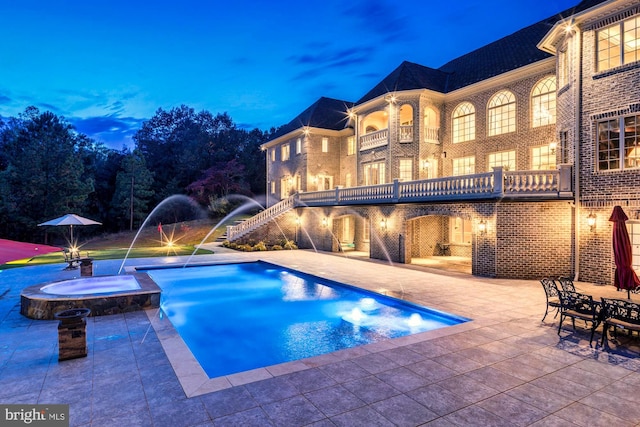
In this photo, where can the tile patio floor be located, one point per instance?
(505, 368)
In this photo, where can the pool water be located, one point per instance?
(237, 317)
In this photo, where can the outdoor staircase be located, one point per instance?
(235, 232)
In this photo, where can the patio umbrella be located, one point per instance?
(70, 220)
(625, 277)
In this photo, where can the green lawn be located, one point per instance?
(102, 254)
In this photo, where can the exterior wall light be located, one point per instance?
(552, 147)
(298, 221)
(390, 98)
(325, 222)
(426, 165)
(591, 221)
(383, 224)
(482, 227)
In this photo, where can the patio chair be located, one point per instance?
(567, 284)
(579, 306)
(619, 314)
(551, 292)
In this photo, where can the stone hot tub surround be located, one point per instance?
(36, 303)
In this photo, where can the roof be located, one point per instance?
(325, 113)
(506, 54)
(408, 76)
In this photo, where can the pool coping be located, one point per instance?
(195, 381)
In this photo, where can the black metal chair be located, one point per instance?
(567, 284)
(619, 314)
(579, 306)
(551, 292)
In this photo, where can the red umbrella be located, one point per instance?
(625, 277)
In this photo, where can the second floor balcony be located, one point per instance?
(380, 137)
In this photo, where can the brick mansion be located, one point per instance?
(510, 158)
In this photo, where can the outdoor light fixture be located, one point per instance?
(306, 131)
(552, 147)
(390, 98)
(383, 224)
(298, 220)
(482, 227)
(591, 221)
(426, 165)
(325, 222)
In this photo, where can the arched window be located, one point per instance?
(464, 122)
(502, 113)
(543, 102)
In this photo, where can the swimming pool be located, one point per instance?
(238, 317)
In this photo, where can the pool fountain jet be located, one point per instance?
(177, 197)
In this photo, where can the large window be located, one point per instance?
(325, 145)
(464, 123)
(542, 158)
(460, 231)
(285, 152)
(619, 143)
(506, 159)
(298, 146)
(619, 44)
(543, 102)
(502, 113)
(351, 146)
(464, 166)
(374, 173)
(406, 170)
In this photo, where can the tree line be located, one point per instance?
(48, 169)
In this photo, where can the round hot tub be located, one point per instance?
(101, 294)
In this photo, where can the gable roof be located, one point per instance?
(325, 113)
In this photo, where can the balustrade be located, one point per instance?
(548, 184)
(374, 139)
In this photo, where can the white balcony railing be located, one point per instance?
(406, 133)
(374, 139)
(432, 135)
(545, 185)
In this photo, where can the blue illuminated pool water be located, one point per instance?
(237, 317)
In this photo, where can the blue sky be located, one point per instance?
(108, 65)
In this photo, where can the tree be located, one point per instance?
(220, 180)
(43, 175)
(133, 193)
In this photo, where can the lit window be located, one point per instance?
(464, 166)
(406, 170)
(460, 231)
(273, 187)
(273, 154)
(543, 102)
(285, 152)
(348, 180)
(542, 159)
(614, 50)
(298, 146)
(351, 146)
(464, 123)
(619, 143)
(374, 173)
(506, 159)
(325, 145)
(502, 113)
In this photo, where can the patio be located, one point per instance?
(504, 368)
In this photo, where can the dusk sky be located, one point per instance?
(107, 66)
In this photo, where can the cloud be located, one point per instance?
(5, 99)
(115, 132)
